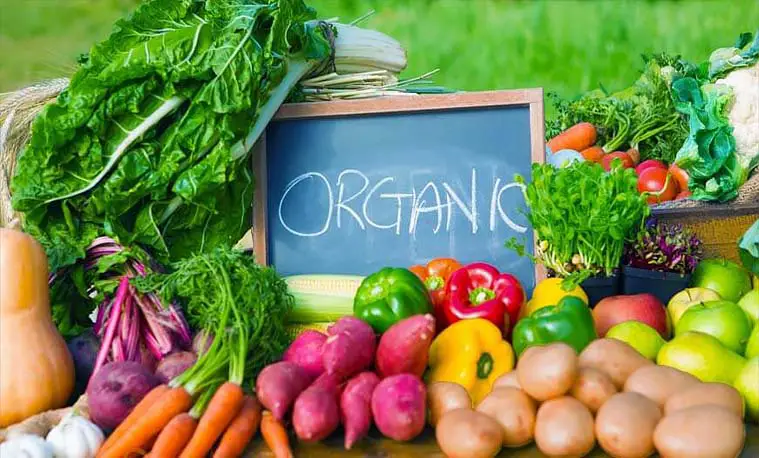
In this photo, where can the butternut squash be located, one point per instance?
(36, 368)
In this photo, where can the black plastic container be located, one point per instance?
(663, 285)
(600, 287)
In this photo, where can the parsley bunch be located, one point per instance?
(583, 217)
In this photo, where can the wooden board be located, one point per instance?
(348, 187)
(426, 447)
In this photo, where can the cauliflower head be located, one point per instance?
(743, 112)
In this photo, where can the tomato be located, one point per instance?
(648, 164)
(658, 184)
(681, 176)
(627, 162)
(683, 195)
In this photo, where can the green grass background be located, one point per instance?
(567, 46)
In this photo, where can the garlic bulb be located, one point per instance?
(75, 437)
(26, 446)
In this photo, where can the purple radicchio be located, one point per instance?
(664, 247)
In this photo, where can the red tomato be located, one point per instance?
(627, 162)
(648, 164)
(658, 184)
(684, 195)
(681, 176)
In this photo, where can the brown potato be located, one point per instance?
(712, 393)
(615, 358)
(515, 411)
(625, 425)
(564, 427)
(547, 372)
(507, 379)
(593, 388)
(658, 383)
(700, 431)
(465, 433)
(446, 396)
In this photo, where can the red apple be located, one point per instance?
(645, 308)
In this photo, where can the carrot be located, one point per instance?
(593, 154)
(275, 436)
(241, 430)
(143, 429)
(578, 137)
(222, 409)
(174, 436)
(139, 410)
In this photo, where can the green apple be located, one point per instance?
(687, 298)
(750, 304)
(721, 319)
(638, 335)
(747, 383)
(752, 347)
(702, 356)
(727, 278)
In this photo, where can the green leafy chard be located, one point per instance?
(149, 142)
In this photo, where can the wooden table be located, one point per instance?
(425, 446)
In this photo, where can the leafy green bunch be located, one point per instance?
(225, 293)
(149, 143)
(583, 216)
(642, 116)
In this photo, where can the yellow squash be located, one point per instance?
(36, 369)
(471, 353)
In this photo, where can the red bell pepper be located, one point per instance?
(479, 290)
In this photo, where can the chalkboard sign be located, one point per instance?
(352, 186)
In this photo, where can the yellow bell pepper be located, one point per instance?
(471, 353)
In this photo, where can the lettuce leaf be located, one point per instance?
(708, 154)
(744, 53)
(143, 146)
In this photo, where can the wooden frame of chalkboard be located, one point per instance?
(532, 98)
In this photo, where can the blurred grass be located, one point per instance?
(569, 46)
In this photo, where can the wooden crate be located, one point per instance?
(718, 227)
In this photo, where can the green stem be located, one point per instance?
(479, 295)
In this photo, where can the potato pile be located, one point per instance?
(609, 395)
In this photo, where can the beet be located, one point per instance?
(115, 389)
(174, 365)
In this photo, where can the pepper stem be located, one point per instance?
(479, 295)
(484, 366)
(434, 282)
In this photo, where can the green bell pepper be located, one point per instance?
(390, 295)
(570, 321)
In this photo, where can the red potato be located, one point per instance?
(306, 352)
(279, 384)
(356, 407)
(350, 347)
(316, 414)
(399, 406)
(404, 348)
